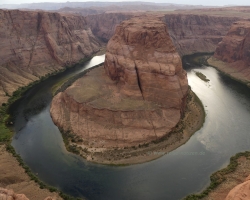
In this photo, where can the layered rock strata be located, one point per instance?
(190, 33)
(136, 97)
(34, 44)
(232, 54)
(197, 33)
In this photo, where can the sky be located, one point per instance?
(191, 2)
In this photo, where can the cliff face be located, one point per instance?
(232, 53)
(143, 61)
(36, 43)
(189, 33)
(197, 33)
(137, 96)
(103, 25)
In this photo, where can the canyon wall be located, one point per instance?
(136, 97)
(189, 33)
(232, 53)
(36, 43)
(103, 25)
(197, 33)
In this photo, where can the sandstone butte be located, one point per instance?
(137, 96)
(34, 44)
(232, 53)
(190, 33)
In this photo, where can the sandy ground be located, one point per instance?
(13, 176)
(190, 123)
(231, 180)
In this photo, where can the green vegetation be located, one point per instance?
(202, 76)
(219, 177)
(68, 137)
(6, 133)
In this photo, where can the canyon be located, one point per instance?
(190, 33)
(122, 97)
(34, 44)
(40, 43)
(138, 94)
(232, 53)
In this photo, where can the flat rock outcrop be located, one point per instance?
(232, 53)
(240, 192)
(34, 44)
(137, 96)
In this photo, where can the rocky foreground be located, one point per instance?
(14, 178)
(232, 53)
(139, 95)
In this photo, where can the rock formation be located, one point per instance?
(240, 192)
(103, 25)
(36, 43)
(197, 33)
(6, 194)
(190, 33)
(232, 53)
(136, 97)
(10, 195)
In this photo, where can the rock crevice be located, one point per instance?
(137, 96)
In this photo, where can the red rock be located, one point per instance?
(34, 44)
(232, 53)
(240, 192)
(10, 195)
(138, 95)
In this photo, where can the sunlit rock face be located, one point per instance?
(137, 96)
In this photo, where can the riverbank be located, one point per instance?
(13, 176)
(21, 179)
(192, 121)
(229, 69)
(226, 179)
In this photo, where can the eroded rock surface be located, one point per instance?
(232, 53)
(6, 194)
(36, 43)
(240, 192)
(197, 33)
(136, 97)
(10, 195)
(190, 33)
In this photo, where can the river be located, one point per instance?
(173, 176)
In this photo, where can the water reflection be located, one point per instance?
(173, 176)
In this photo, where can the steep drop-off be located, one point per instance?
(232, 53)
(36, 43)
(136, 97)
(189, 33)
(197, 33)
